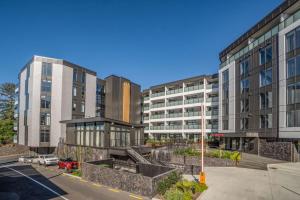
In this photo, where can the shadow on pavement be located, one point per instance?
(15, 186)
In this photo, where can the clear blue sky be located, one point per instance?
(147, 41)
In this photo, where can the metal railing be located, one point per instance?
(158, 105)
(194, 100)
(157, 127)
(212, 112)
(174, 103)
(158, 94)
(157, 116)
(174, 127)
(192, 114)
(193, 88)
(174, 115)
(174, 91)
(212, 99)
(195, 126)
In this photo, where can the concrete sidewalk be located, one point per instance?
(235, 184)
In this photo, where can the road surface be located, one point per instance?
(19, 181)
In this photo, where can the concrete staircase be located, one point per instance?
(136, 156)
(256, 162)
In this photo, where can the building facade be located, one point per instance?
(258, 82)
(54, 90)
(174, 110)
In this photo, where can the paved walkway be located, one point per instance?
(280, 182)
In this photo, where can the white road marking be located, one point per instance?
(41, 184)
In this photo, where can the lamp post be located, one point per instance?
(202, 174)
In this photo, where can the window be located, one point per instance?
(265, 55)
(293, 93)
(74, 91)
(75, 75)
(245, 105)
(265, 100)
(45, 102)
(225, 109)
(225, 75)
(45, 119)
(244, 68)
(265, 77)
(45, 136)
(82, 107)
(74, 107)
(293, 118)
(46, 86)
(244, 123)
(244, 85)
(293, 40)
(82, 90)
(266, 121)
(46, 69)
(293, 67)
(83, 77)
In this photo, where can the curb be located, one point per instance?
(71, 175)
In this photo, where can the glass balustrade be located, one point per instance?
(193, 88)
(158, 105)
(174, 127)
(174, 103)
(174, 115)
(174, 91)
(158, 94)
(192, 114)
(157, 116)
(194, 100)
(157, 127)
(195, 126)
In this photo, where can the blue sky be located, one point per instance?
(147, 41)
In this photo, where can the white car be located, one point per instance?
(47, 159)
(26, 159)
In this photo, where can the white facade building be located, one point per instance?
(173, 110)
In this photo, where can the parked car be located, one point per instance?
(48, 159)
(26, 159)
(67, 164)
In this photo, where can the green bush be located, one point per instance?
(187, 152)
(168, 182)
(174, 194)
(77, 173)
(236, 157)
(190, 188)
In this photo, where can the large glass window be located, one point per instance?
(293, 40)
(244, 123)
(45, 135)
(46, 69)
(46, 86)
(45, 119)
(75, 75)
(45, 102)
(245, 85)
(265, 100)
(74, 91)
(265, 77)
(265, 55)
(245, 105)
(266, 121)
(293, 118)
(225, 75)
(244, 67)
(293, 93)
(293, 67)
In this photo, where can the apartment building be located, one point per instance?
(259, 82)
(55, 90)
(174, 110)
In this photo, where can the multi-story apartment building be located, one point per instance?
(54, 90)
(174, 110)
(259, 82)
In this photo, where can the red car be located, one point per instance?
(67, 164)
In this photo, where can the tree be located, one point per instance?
(7, 100)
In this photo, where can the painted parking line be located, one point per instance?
(136, 197)
(113, 190)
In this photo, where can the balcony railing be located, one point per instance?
(211, 126)
(146, 108)
(158, 94)
(212, 86)
(146, 98)
(157, 127)
(195, 126)
(158, 105)
(174, 103)
(194, 100)
(212, 99)
(174, 115)
(146, 118)
(174, 127)
(174, 91)
(157, 116)
(212, 112)
(192, 114)
(193, 88)
(147, 128)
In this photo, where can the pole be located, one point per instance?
(202, 174)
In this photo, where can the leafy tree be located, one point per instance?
(7, 100)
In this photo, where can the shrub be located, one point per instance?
(190, 188)
(77, 173)
(236, 156)
(168, 182)
(187, 152)
(174, 194)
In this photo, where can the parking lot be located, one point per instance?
(32, 181)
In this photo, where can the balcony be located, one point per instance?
(212, 86)
(158, 94)
(157, 116)
(146, 108)
(146, 98)
(192, 114)
(157, 127)
(146, 118)
(212, 99)
(212, 112)
(174, 127)
(193, 88)
(174, 103)
(174, 91)
(146, 127)
(194, 100)
(212, 126)
(195, 126)
(158, 105)
(174, 115)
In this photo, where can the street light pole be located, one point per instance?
(202, 174)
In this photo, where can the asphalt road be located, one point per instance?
(18, 182)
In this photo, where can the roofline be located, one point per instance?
(262, 23)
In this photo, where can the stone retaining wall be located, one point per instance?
(127, 181)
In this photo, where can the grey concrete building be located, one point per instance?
(259, 82)
(55, 90)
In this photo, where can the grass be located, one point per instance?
(77, 173)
